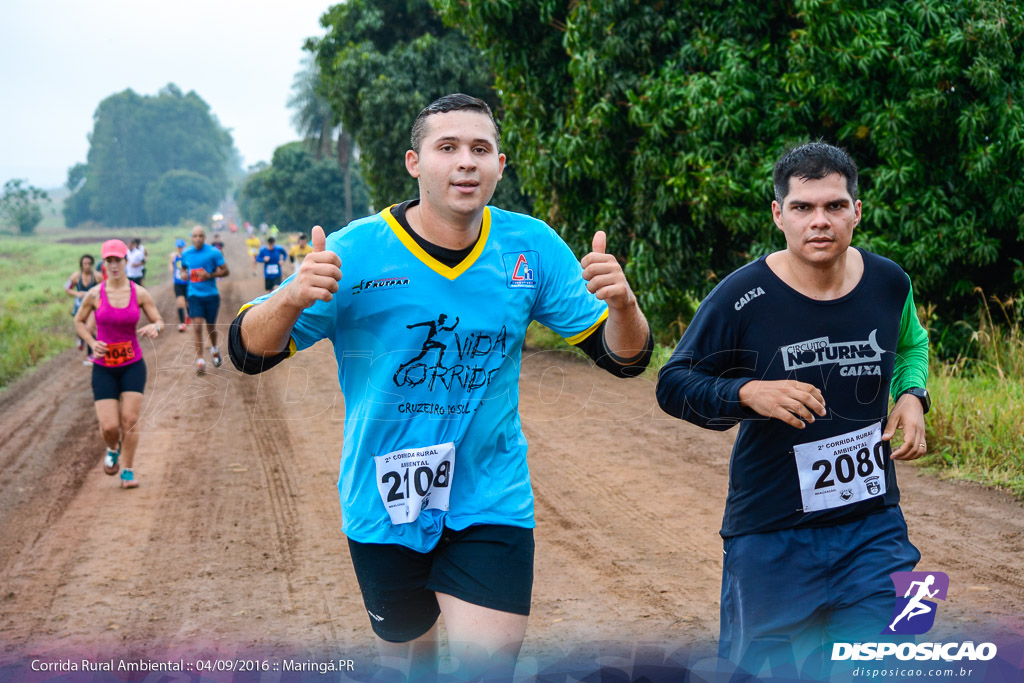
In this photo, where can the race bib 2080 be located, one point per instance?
(841, 470)
(415, 479)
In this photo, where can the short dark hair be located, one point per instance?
(271, 239)
(813, 161)
(83, 257)
(443, 105)
(302, 236)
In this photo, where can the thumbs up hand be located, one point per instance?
(317, 278)
(604, 275)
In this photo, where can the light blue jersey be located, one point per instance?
(428, 361)
(208, 259)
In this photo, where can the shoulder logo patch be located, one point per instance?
(521, 269)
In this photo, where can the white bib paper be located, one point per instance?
(841, 470)
(415, 479)
(273, 269)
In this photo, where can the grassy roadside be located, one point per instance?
(976, 427)
(35, 312)
(976, 424)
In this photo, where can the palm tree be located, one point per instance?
(316, 122)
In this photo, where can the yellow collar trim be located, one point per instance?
(431, 262)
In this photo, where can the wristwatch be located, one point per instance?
(922, 394)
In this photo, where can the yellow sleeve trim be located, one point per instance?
(577, 338)
(292, 349)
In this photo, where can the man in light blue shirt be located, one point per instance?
(201, 266)
(427, 326)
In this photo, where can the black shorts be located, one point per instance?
(205, 307)
(271, 282)
(487, 564)
(112, 382)
(181, 289)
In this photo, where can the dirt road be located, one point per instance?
(232, 544)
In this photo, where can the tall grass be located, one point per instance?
(976, 426)
(35, 313)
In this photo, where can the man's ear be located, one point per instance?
(412, 163)
(777, 214)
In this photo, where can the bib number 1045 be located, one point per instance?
(415, 479)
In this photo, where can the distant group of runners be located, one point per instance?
(803, 348)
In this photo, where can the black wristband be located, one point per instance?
(249, 363)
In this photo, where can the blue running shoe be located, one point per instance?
(128, 479)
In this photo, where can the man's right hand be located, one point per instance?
(317, 278)
(795, 403)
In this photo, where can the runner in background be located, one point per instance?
(204, 265)
(78, 286)
(271, 256)
(180, 285)
(118, 373)
(253, 244)
(136, 261)
(299, 251)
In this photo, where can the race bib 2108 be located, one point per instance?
(415, 479)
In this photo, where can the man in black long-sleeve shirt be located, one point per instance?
(802, 347)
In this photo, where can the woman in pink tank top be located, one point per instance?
(118, 373)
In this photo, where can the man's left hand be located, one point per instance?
(604, 276)
(907, 416)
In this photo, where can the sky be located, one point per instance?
(60, 58)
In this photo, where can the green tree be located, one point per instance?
(660, 121)
(178, 195)
(19, 205)
(135, 141)
(381, 62)
(298, 191)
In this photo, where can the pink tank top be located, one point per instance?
(116, 328)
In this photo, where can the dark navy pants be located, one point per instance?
(788, 595)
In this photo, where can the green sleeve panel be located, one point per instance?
(911, 351)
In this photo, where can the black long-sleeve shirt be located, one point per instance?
(754, 326)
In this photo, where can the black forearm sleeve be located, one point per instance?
(249, 363)
(595, 347)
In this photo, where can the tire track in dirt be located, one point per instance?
(608, 512)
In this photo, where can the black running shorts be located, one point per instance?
(488, 565)
(112, 382)
(181, 289)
